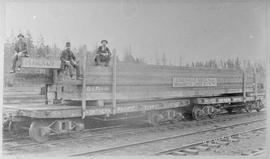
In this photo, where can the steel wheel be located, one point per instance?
(213, 115)
(248, 108)
(197, 113)
(259, 105)
(172, 121)
(229, 110)
(13, 128)
(39, 131)
(155, 120)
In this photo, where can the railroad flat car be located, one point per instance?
(159, 93)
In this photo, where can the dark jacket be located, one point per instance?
(20, 46)
(100, 51)
(66, 56)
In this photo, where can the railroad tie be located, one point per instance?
(233, 140)
(178, 153)
(202, 148)
(258, 153)
(191, 151)
(213, 145)
(242, 136)
(257, 133)
(245, 134)
(245, 154)
(222, 142)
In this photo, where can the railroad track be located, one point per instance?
(113, 131)
(197, 147)
(156, 141)
(28, 142)
(9, 139)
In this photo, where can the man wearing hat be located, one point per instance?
(69, 60)
(103, 54)
(20, 51)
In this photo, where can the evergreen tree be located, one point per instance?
(237, 63)
(164, 59)
(30, 45)
(129, 58)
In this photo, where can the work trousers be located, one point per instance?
(100, 59)
(17, 58)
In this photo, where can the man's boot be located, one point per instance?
(79, 78)
(14, 61)
(73, 78)
(19, 68)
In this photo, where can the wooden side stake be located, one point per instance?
(114, 82)
(244, 85)
(255, 84)
(84, 84)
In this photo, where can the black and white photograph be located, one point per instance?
(134, 78)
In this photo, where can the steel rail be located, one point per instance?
(160, 139)
(202, 142)
(99, 129)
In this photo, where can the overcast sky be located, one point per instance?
(194, 29)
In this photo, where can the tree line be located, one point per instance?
(41, 50)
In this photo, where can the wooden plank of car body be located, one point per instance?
(137, 92)
(219, 100)
(40, 63)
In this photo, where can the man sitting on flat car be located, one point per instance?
(103, 54)
(20, 51)
(69, 60)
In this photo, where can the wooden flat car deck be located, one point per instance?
(65, 111)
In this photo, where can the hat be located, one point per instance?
(67, 44)
(20, 35)
(104, 41)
